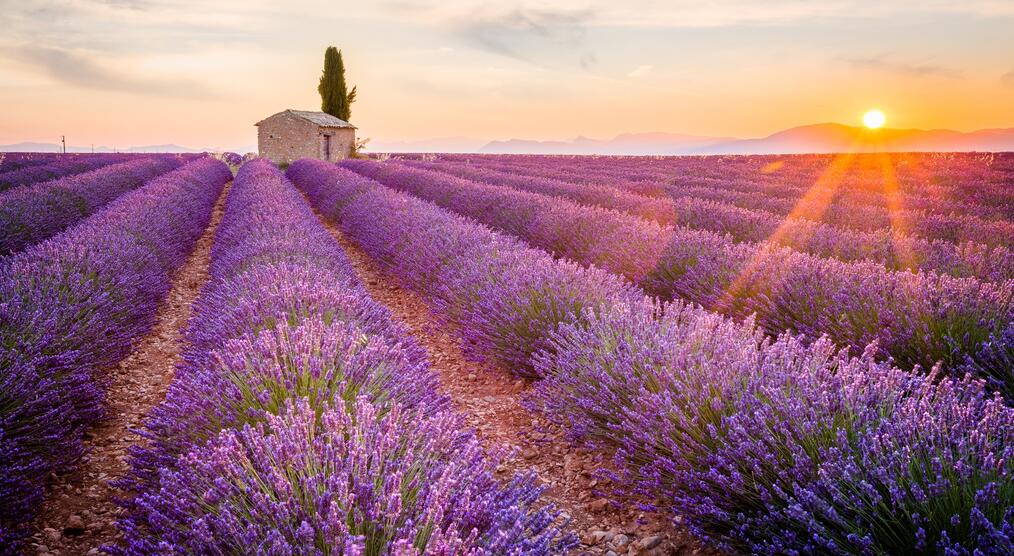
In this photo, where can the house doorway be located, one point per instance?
(327, 148)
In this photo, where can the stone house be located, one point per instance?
(293, 134)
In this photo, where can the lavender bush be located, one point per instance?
(349, 480)
(891, 248)
(283, 296)
(855, 192)
(232, 159)
(995, 361)
(864, 192)
(918, 318)
(758, 444)
(470, 272)
(56, 166)
(71, 306)
(16, 161)
(777, 447)
(33, 213)
(327, 433)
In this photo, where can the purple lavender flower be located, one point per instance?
(505, 296)
(949, 196)
(33, 213)
(774, 446)
(891, 248)
(916, 318)
(763, 444)
(51, 167)
(73, 304)
(16, 161)
(348, 479)
(232, 159)
(328, 431)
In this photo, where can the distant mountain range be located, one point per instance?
(825, 138)
(55, 148)
(818, 138)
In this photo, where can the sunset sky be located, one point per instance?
(199, 74)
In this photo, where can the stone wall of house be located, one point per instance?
(343, 141)
(286, 138)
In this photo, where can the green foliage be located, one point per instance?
(335, 97)
(359, 147)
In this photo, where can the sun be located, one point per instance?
(874, 119)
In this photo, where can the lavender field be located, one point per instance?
(507, 354)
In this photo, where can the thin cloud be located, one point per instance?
(884, 64)
(641, 71)
(1008, 77)
(137, 5)
(525, 34)
(128, 25)
(714, 13)
(80, 70)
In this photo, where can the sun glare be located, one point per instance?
(874, 119)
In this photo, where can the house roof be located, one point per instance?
(318, 118)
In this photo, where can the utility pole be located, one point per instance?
(63, 140)
(93, 148)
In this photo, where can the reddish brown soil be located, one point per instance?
(490, 398)
(79, 513)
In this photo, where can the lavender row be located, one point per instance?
(57, 168)
(783, 446)
(17, 161)
(973, 183)
(70, 307)
(33, 213)
(468, 271)
(326, 431)
(913, 172)
(964, 184)
(892, 249)
(758, 445)
(825, 200)
(821, 209)
(919, 319)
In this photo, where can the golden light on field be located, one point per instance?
(874, 119)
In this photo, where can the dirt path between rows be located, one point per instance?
(490, 399)
(79, 514)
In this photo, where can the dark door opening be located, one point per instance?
(327, 148)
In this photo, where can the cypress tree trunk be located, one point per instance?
(335, 98)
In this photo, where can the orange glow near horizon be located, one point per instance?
(199, 75)
(895, 208)
(813, 206)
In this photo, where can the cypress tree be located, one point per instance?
(335, 97)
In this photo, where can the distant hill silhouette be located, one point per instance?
(818, 138)
(825, 138)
